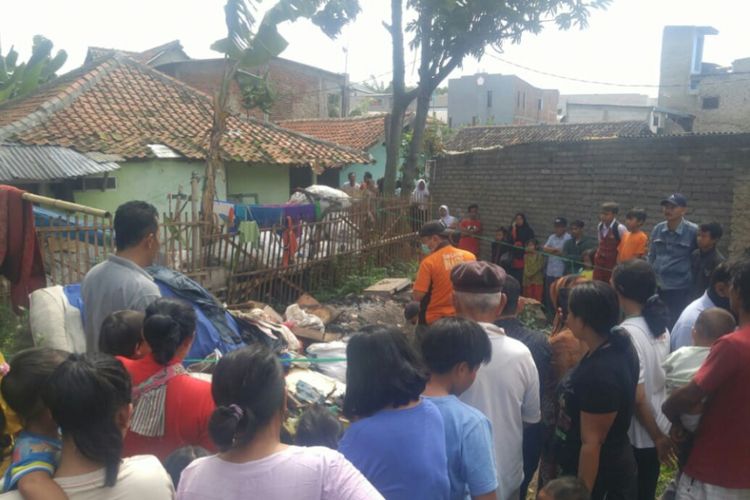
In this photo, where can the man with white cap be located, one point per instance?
(506, 389)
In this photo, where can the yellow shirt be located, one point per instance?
(12, 427)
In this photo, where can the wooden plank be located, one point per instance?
(388, 286)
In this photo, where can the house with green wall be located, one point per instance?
(157, 130)
(364, 133)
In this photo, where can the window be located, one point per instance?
(523, 101)
(540, 104)
(655, 121)
(94, 183)
(710, 103)
(518, 99)
(489, 98)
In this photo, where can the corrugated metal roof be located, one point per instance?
(45, 163)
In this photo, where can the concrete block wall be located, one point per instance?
(548, 180)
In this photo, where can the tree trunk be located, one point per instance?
(417, 139)
(396, 118)
(213, 157)
(394, 133)
(424, 93)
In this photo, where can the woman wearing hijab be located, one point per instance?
(520, 234)
(446, 218)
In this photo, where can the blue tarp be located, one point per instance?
(44, 217)
(207, 337)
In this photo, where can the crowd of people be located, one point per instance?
(641, 328)
(646, 363)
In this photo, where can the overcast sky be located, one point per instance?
(622, 44)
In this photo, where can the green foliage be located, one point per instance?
(257, 92)
(666, 474)
(368, 276)
(458, 29)
(334, 105)
(250, 47)
(18, 80)
(444, 32)
(433, 143)
(14, 331)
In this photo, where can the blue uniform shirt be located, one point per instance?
(670, 254)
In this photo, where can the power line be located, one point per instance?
(616, 84)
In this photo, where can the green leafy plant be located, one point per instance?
(18, 80)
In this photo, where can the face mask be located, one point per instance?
(425, 249)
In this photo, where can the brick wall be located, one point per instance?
(572, 179)
(302, 91)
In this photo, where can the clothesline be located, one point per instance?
(265, 216)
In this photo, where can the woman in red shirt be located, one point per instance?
(171, 408)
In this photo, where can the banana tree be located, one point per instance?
(18, 80)
(247, 48)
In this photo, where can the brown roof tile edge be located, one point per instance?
(91, 73)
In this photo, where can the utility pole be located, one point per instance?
(345, 93)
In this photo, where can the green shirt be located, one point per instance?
(573, 251)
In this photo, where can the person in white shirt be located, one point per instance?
(646, 320)
(716, 295)
(351, 187)
(89, 398)
(506, 390)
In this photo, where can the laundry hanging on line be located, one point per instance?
(265, 216)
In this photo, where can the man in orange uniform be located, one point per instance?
(433, 288)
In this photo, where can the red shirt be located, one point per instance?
(188, 408)
(470, 243)
(721, 450)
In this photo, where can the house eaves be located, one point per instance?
(47, 163)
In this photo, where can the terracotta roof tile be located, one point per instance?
(120, 106)
(500, 136)
(357, 133)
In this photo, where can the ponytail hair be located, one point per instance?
(168, 323)
(248, 390)
(84, 395)
(595, 303)
(635, 280)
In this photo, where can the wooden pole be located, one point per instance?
(65, 205)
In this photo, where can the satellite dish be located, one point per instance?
(480, 81)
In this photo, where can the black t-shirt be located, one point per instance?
(602, 382)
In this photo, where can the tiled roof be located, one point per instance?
(116, 105)
(500, 136)
(360, 133)
(144, 57)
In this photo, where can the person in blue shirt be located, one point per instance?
(454, 349)
(670, 252)
(36, 451)
(393, 438)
